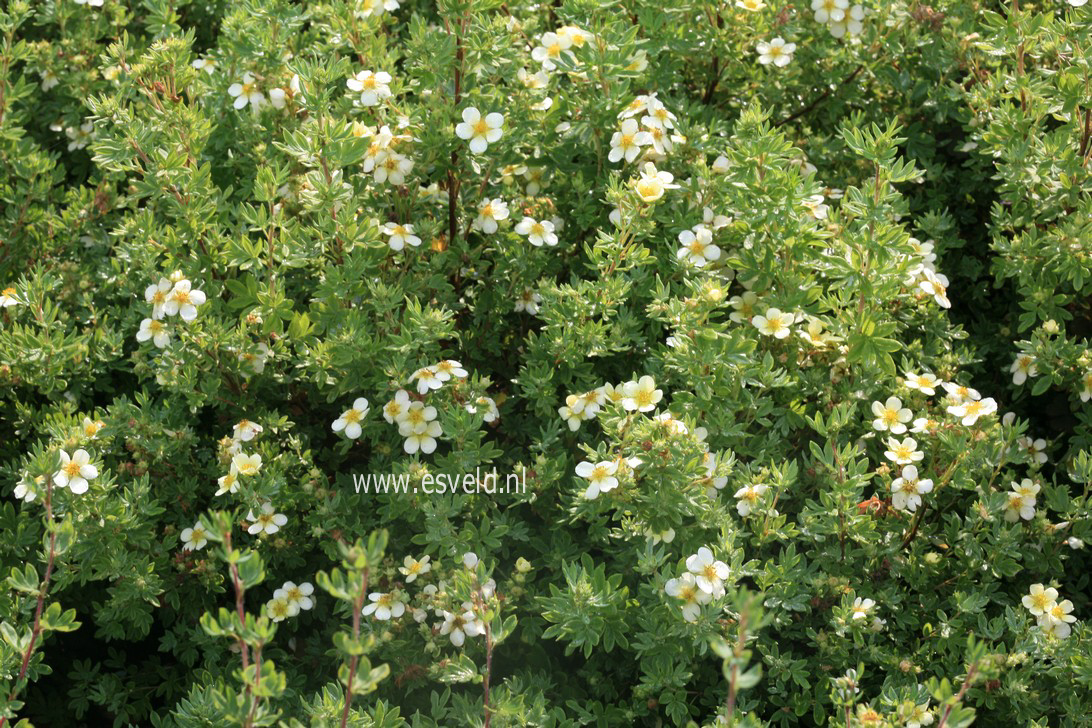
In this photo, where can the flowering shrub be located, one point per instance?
(384, 363)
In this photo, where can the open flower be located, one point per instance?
(652, 183)
(709, 573)
(154, 330)
(1023, 368)
(538, 233)
(748, 497)
(969, 411)
(194, 539)
(427, 378)
(266, 521)
(1039, 600)
(247, 465)
(936, 285)
(907, 489)
(75, 471)
(394, 410)
(686, 590)
(925, 383)
(156, 294)
(296, 596)
(350, 419)
(384, 605)
(278, 609)
(245, 430)
(777, 52)
(891, 416)
(372, 87)
(774, 323)
(183, 300)
(861, 608)
(698, 247)
(642, 395)
(420, 428)
(412, 568)
(1057, 619)
(489, 214)
(399, 236)
(246, 92)
(600, 477)
(627, 142)
(905, 452)
(458, 626)
(480, 130)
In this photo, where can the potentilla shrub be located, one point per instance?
(474, 363)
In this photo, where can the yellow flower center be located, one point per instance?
(72, 469)
(480, 127)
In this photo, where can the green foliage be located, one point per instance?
(639, 362)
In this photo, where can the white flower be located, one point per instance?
(925, 383)
(774, 323)
(1017, 506)
(538, 233)
(816, 207)
(156, 294)
(1086, 381)
(906, 490)
(744, 306)
(384, 605)
(698, 247)
(154, 330)
(228, 483)
(686, 590)
(394, 410)
(1022, 368)
(459, 626)
(489, 214)
(296, 596)
(247, 465)
(75, 471)
(905, 452)
(642, 395)
(891, 416)
(267, 521)
(420, 428)
(829, 10)
(350, 419)
(207, 65)
(751, 5)
(815, 335)
(194, 539)
(748, 497)
(1027, 489)
(183, 300)
(412, 568)
(528, 302)
(1036, 449)
(777, 52)
(400, 235)
(491, 412)
(470, 560)
(600, 477)
(652, 183)
(91, 427)
(969, 411)
(666, 536)
(245, 430)
(372, 87)
(851, 25)
(959, 393)
(427, 379)
(481, 131)
(449, 368)
(936, 285)
(79, 137)
(49, 79)
(278, 609)
(550, 48)
(246, 92)
(861, 608)
(1038, 600)
(708, 572)
(627, 142)
(1077, 3)
(1058, 619)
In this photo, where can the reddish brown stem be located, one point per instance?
(358, 606)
